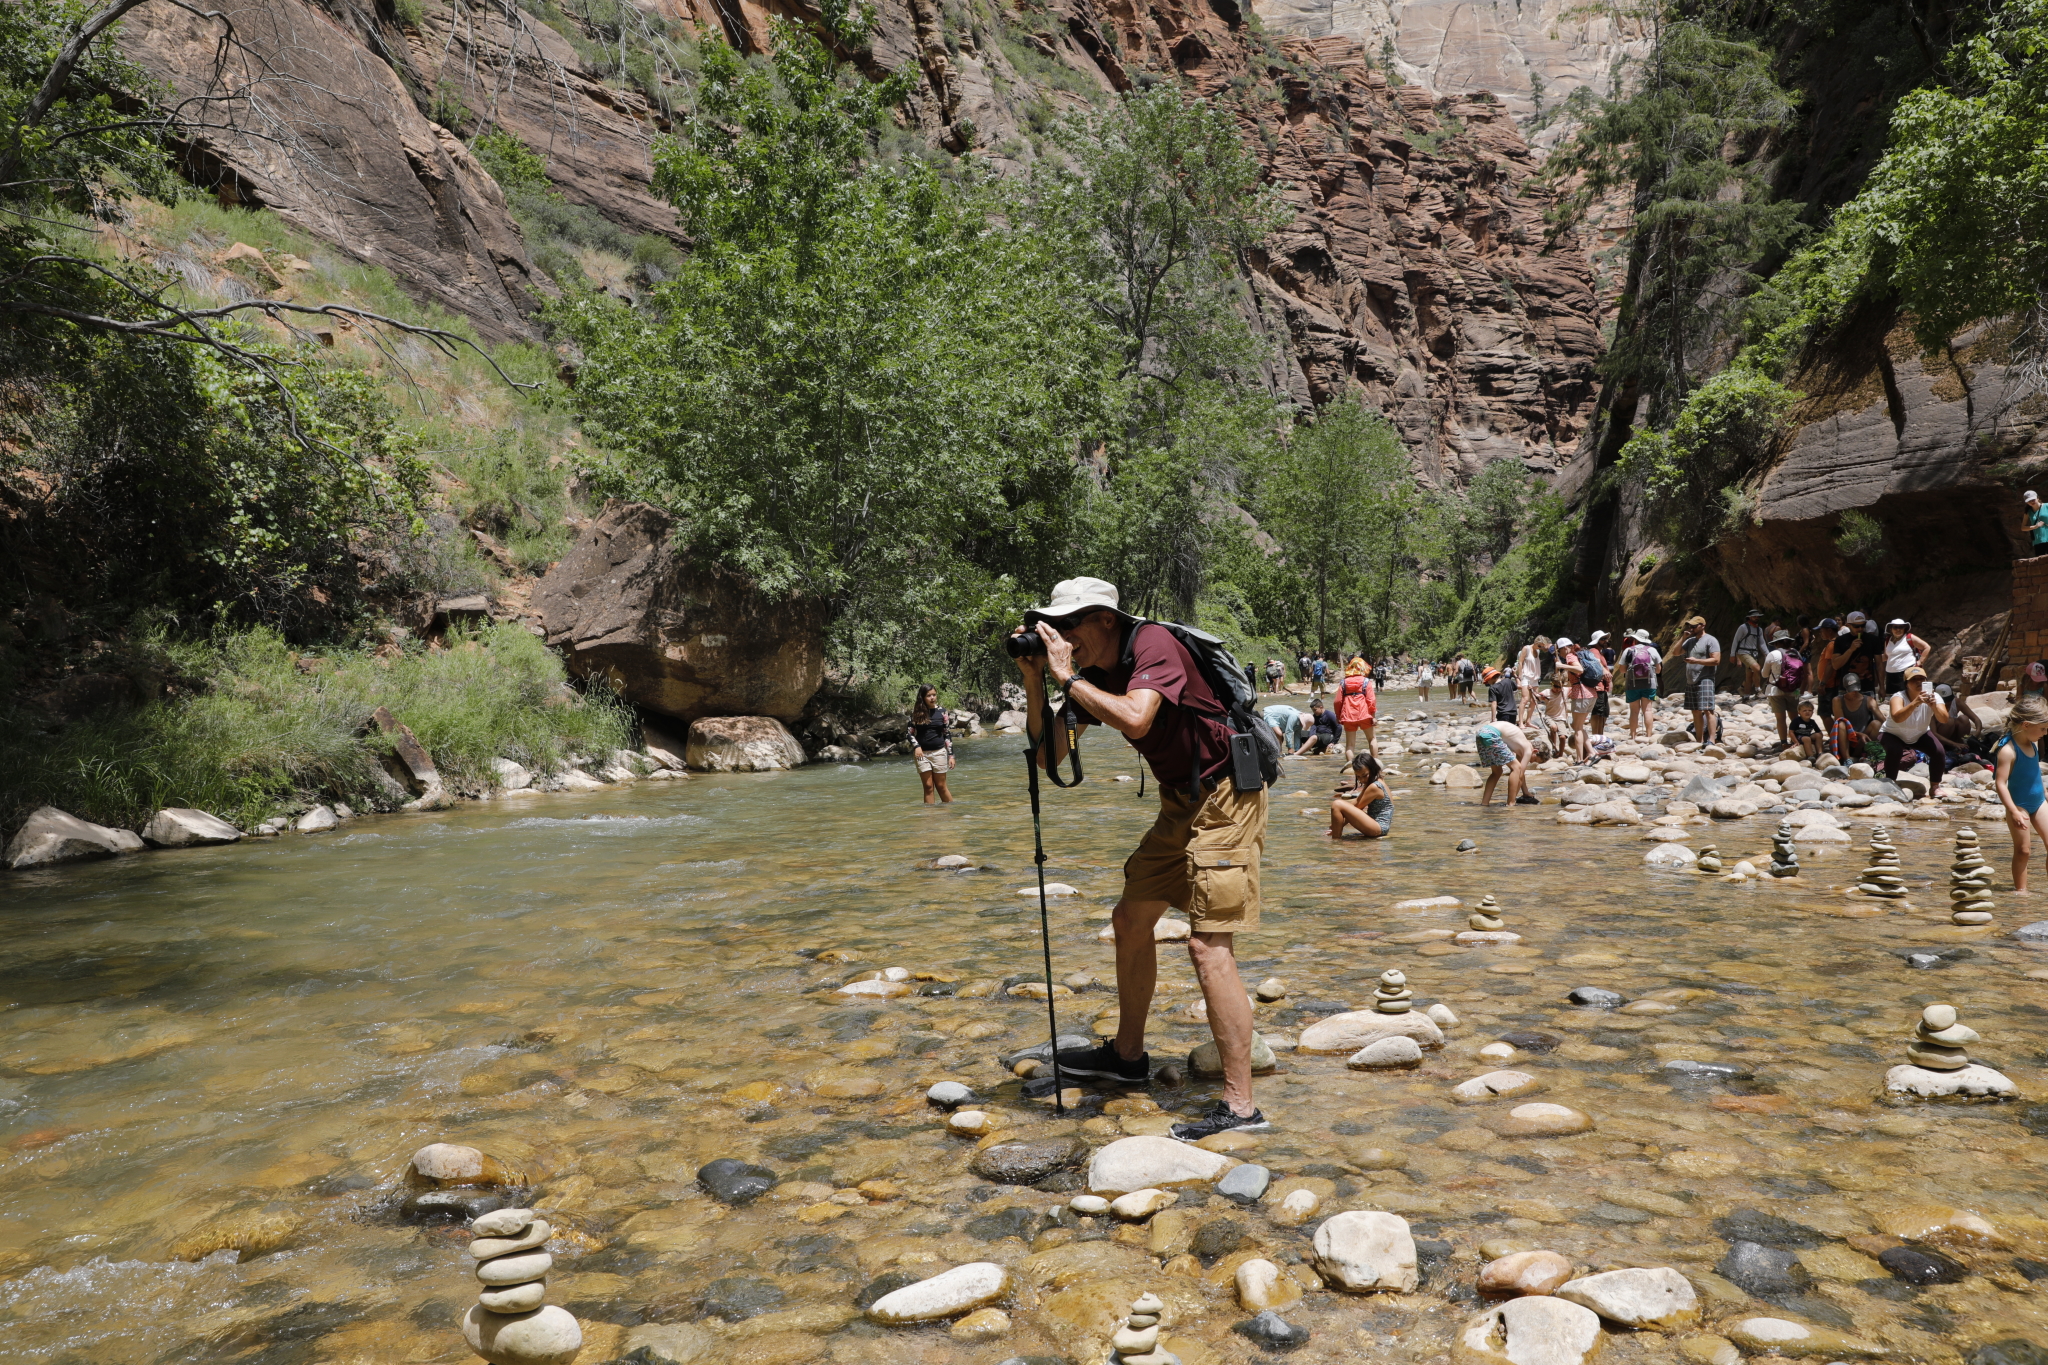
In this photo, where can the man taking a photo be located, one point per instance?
(1202, 853)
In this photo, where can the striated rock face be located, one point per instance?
(324, 132)
(1458, 47)
(671, 636)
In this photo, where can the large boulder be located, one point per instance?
(675, 635)
(51, 836)
(742, 744)
(179, 826)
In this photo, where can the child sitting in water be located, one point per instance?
(2018, 756)
(1806, 731)
(1366, 806)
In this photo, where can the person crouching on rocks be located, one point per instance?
(1366, 806)
(1202, 852)
(931, 740)
(1503, 748)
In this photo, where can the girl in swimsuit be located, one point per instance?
(1368, 807)
(2018, 757)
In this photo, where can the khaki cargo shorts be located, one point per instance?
(1204, 858)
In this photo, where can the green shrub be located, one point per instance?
(1860, 536)
(273, 731)
(1723, 434)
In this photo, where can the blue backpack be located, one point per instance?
(1593, 668)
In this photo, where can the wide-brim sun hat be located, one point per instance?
(1783, 640)
(1072, 596)
(1641, 637)
(1598, 636)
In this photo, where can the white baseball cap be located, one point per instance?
(1073, 596)
(2031, 496)
(1563, 643)
(1856, 618)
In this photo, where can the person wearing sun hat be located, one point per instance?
(1750, 646)
(1639, 667)
(1911, 716)
(1202, 852)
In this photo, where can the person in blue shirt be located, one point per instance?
(1286, 723)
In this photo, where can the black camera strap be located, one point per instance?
(1067, 720)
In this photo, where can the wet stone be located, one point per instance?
(453, 1206)
(1275, 1333)
(1754, 1225)
(1915, 1265)
(1528, 1041)
(1763, 1271)
(1604, 1212)
(1026, 1163)
(2011, 1351)
(1597, 997)
(1011, 1222)
(738, 1298)
(737, 1182)
(1218, 1237)
(1244, 1183)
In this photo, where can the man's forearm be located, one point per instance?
(1129, 714)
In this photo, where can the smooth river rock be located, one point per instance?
(514, 1298)
(444, 1165)
(182, 827)
(949, 1095)
(1361, 1252)
(1386, 1054)
(1537, 1330)
(1524, 1272)
(515, 1269)
(1357, 1029)
(1495, 1085)
(1659, 1297)
(735, 1182)
(1783, 1337)
(1262, 1286)
(1974, 1079)
(1136, 1163)
(947, 1295)
(1026, 1163)
(1246, 1183)
(545, 1336)
(51, 836)
(1540, 1120)
(1207, 1060)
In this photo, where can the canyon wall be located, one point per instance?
(1416, 266)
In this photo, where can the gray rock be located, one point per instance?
(1386, 1053)
(668, 1343)
(1043, 1051)
(181, 826)
(1917, 1265)
(51, 836)
(318, 820)
(1026, 1163)
(1598, 997)
(1923, 962)
(1763, 1271)
(2037, 932)
(1702, 790)
(735, 1182)
(1244, 1183)
(1717, 1071)
(1272, 1331)
(949, 1095)
(739, 1297)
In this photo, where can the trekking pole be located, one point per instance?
(1052, 1022)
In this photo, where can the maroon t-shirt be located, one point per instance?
(1190, 726)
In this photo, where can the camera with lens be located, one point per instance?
(1028, 645)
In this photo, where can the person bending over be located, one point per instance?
(1366, 807)
(1323, 731)
(1203, 851)
(1286, 723)
(1503, 748)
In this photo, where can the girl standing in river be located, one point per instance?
(2018, 759)
(931, 740)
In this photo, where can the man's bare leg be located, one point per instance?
(1230, 1014)
(1137, 971)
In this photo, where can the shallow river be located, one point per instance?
(241, 1047)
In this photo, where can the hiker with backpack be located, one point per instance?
(1572, 664)
(1181, 701)
(1358, 705)
(1702, 654)
(1639, 666)
(1784, 678)
(1604, 685)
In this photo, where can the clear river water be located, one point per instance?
(217, 1062)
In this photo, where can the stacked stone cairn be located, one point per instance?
(509, 1324)
(1486, 916)
(1392, 995)
(1709, 859)
(1937, 1043)
(1784, 860)
(1882, 878)
(1969, 881)
(1137, 1341)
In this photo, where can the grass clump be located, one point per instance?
(269, 731)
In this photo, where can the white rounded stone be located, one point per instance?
(545, 1336)
(1533, 1330)
(1642, 1297)
(1139, 1205)
(1387, 1053)
(1137, 1163)
(515, 1269)
(515, 1298)
(1365, 1251)
(945, 1295)
(500, 1222)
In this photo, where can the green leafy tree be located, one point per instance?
(861, 385)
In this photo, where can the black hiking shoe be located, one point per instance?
(1219, 1119)
(1527, 800)
(1105, 1062)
